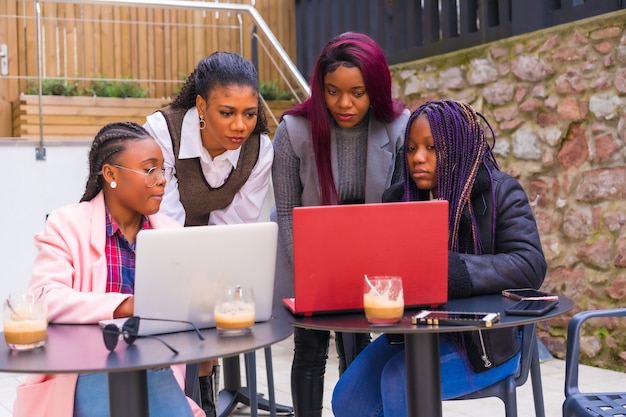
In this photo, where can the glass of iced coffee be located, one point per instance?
(383, 299)
(25, 321)
(234, 311)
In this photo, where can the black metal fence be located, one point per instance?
(412, 29)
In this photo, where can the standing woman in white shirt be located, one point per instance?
(214, 135)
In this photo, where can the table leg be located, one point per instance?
(233, 393)
(128, 393)
(423, 374)
(253, 398)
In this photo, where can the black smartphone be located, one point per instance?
(528, 294)
(531, 307)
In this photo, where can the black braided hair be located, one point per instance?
(109, 142)
(461, 147)
(221, 69)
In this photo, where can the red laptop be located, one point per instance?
(334, 246)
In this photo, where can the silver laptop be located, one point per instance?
(178, 272)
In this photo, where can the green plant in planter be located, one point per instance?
(108, 88)
(53, 87)
(271, 90)
(99, 88)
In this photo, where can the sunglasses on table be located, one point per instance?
(130, 332)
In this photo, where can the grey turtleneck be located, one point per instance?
(351, 154)
(351, 162)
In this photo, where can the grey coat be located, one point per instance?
(384, 147)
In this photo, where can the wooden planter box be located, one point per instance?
(81, 117)
(77, 117)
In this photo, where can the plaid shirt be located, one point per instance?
(120, 257)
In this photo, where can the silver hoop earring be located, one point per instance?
(202, 123)
(113, 184)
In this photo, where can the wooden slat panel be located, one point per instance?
(158, 52)
(198, 37)
(8, 36)
(60, 51)
(49, 40)
(138, 116)
(30, 114)
(177, 64)
(118, 48)
(67, 131)
(76, 116)
(69, 34)
(88, 101)
(106, 40)
(212, 35)
(150, 50)
(62, 124)
(133, 37)
(22, 56)
(180, 38)
(87, 41)
(88, 65)
(191, 38)
(168, 52)
(142, 40)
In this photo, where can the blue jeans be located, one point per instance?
(375, 384)
(165, 398)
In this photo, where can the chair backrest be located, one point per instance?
(573, 345)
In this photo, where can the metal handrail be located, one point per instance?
(184, 4)
(228, 7)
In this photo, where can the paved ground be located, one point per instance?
(553, 374)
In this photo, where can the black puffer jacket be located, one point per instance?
(512, 257)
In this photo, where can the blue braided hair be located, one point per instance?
(461, 147)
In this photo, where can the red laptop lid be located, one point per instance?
(334, 246)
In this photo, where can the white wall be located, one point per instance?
(30, 190)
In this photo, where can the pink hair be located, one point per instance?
(350, 49)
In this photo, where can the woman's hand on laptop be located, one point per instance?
(125, 309)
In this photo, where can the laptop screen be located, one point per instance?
(179, 271)
(334, 246)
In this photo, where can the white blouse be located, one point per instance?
(247, 203)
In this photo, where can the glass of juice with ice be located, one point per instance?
(383, 299)
(234, 311)
(25, 321)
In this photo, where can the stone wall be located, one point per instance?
(557, 101)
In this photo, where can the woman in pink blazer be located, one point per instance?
(85, 265)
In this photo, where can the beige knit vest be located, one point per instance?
(198, 198)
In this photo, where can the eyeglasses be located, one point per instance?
(153, 175)
(130, 329)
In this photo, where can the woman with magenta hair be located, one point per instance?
(493, 245)
(340, 146)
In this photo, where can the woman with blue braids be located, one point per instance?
(493, 245)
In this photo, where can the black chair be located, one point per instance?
(506, 389)
(585, 404)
